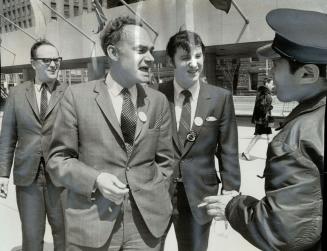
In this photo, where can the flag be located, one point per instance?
(222, 4)
(101, 17)
(40, 24)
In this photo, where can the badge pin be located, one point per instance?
(198, 121)
(191, 136)
(142, 116)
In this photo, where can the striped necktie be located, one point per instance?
(44, 101)
(185, 121)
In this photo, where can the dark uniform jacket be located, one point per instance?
(289, 217)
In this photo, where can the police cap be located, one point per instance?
(300, 36)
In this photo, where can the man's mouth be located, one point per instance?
(193, 71)
(144, 69)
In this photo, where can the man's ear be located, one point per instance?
(308, 74)
(33, 63)
(113, 52)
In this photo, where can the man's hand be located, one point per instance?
(4, 187)
(111, 187)
(215, 205)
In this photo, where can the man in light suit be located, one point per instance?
(112, 150)
(26, 130)
(204, 126)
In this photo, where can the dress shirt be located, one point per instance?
(114, 90)
(179, 99)
(38, 91)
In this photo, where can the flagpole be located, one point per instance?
(145, 22)
(9, 52)
(241, 13)
(73, 25)
(8, 20)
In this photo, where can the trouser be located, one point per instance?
(35, 202)
(190, 235)
(129, 233)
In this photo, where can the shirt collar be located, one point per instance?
(38, 85)
(194, 89)
(115, 88)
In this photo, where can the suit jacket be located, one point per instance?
(24, 138)
(87, 140)
(215, 136)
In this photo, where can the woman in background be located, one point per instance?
(261, 115)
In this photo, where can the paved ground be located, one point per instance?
(10, 234)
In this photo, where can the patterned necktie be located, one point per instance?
(185, 121)
(128, 120)
(44, 101)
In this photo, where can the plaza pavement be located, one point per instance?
(220, 239)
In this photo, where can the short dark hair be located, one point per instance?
(37, 44)
(294, 65)
(113, 31)
(183, 39)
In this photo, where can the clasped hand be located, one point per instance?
(111, 187)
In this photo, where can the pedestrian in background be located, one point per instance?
(261, 115)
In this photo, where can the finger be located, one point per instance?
(211, 199)
(214, 212)
(118, 191)
(118, 183)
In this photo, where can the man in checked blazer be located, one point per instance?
(26, 130)
(112, 150)
(204, 126)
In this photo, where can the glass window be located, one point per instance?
(76, 11)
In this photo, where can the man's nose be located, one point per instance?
(52, 64)
(149, 59)
(192, 63)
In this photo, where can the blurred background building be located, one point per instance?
(231, 42)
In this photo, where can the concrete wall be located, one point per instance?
(166, 16)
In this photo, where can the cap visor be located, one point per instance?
(267, 51)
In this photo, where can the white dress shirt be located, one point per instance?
(38, 91)
(114, 90)
(179, 99)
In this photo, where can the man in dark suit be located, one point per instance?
(204, 126)
(112, 149)
(26, 130)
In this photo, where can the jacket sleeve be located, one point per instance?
(8, 137)
(227, 150)
(63, 165)
(289, 216)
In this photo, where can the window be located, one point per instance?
(25, 24)
(20, 24)
(30, 22)
(76, 11)
(53, 15)
(66, 11)
(23, 11)
(29, 12)
(18, 12)
(254, 79)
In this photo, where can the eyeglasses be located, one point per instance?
(48, 61)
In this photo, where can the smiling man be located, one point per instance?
(111, 148)
(26, 130)
(204, 126)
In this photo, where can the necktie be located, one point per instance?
(128, 120)
(185, 121)
(44, 101)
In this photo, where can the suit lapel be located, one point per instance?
(142, 103)
(104, 102)
(31, 98)
(201, 112)
(55, 96)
